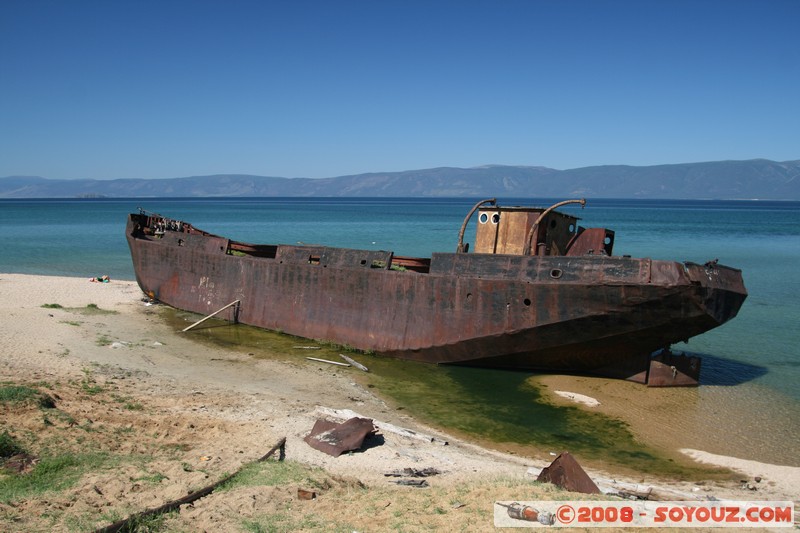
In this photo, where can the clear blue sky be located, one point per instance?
(156, 89)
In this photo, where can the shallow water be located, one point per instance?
(502, 409)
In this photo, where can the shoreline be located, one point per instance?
(259, 401)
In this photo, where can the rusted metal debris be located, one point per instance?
(336, 438)
(413, 472)
(566, 473)
(303, 494)
(385, 427)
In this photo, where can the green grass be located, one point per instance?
(103, 340)
(154, 478)
(90, 309)
(280, 522)
(17, 393)
(271, 474)
(9, 446)
(51, 474)
(10, 393)
(89, 385)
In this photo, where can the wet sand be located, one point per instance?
(742, 422)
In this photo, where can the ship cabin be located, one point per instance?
(537, 231)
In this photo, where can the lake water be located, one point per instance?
(753, 360)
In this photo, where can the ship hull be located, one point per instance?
(587, 314)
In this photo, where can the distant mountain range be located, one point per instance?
(753, 179)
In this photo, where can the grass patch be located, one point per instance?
(155, 478)
(282, 521)
(22, 394)
(271, 474)
(9, 446)
(90, 309)
(51, 474)
(103, 340)
(89, 385)
(17, 393)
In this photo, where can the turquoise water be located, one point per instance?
(755, 354)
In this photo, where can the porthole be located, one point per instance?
(483, 218)
(527, 302)
(556, 273)
(495, 218)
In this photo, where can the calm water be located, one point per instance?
(754, 356)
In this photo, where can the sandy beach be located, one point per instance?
(126, 384)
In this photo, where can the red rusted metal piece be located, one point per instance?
(572, 307)
(565, 472)
(336, 438)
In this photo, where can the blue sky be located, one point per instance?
(156, 89)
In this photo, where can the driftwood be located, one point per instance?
(131, 523)
(354, 363)
(411, 482)
(235, 302)
(337, 363)
(637, 491)
(347, 414)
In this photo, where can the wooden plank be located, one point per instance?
(326, 361)
(354, 363)
(209, 316)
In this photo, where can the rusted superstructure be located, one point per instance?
(538, 292)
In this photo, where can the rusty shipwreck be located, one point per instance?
(537, 292)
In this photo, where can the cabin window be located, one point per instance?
(483, 218)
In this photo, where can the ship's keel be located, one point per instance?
(661, 369)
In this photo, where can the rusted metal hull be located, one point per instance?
(586, 314)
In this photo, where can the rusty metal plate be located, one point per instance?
(565, 472)
(335, 439)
